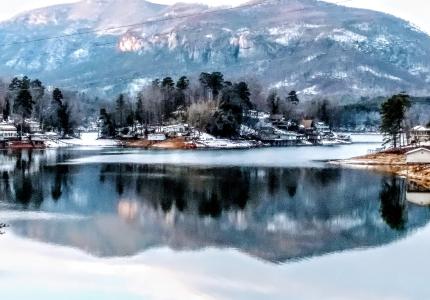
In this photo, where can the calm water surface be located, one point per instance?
(254, 224)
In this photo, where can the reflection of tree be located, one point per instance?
(5, 187)
(273, 181)
(27, 183)
(170, 206)
(291, 182)
(168, 187)
(393, 205)
(119, 172)
(325, 176)
(119, 184)
(23, 189)
(23, 185)
(210, 206)
(61, 181)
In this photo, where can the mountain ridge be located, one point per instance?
(314, 47)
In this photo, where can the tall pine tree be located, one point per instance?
(23, 103)
(393, 114)
(63, 113)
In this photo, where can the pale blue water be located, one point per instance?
(271, 223)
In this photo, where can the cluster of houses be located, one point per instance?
(10, 137)
(8, 130)
(420, 135)
(269, 129)
(259, 127)
(276, 130)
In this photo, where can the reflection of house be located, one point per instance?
(418, 156)
(417, 194)
(419, 198)
(128, 210)
(8, 131)
(420, 134)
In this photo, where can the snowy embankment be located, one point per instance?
(205, 140)
(87, 139)
(224, 144)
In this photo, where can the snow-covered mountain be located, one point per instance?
(307, 45)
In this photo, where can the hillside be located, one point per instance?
(307, 45)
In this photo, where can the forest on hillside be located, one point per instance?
(209, 102)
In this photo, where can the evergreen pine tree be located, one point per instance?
(120, 109)
(168, 88)
(6, 109)
(23, 104)
(273, 101)
(38, 91)
(213, 81)
(139, 112)
(63, 112)
(393, 114)
(292, 97)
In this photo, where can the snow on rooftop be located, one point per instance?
(420, 128)
(418, 150)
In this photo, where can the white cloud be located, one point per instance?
(414, 11)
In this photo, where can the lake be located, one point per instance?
(270, 223)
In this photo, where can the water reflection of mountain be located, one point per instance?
(276, 214)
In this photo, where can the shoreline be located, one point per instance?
(393, 162)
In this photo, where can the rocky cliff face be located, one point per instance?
(307, 45)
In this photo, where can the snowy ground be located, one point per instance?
(225, 144)
(87, 139)
(205, 140)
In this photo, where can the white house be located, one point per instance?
(156, 137)
(8, 131)
(321, 127)
(173, 130)
(34, 126)
(418, 156)
(420, 134)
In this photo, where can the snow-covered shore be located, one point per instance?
(391, 162)
(89, 139)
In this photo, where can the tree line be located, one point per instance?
(24, 99)
(207, 102)
(211, 103)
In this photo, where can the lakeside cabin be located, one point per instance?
(420, 134)
(34, 127)
(418, 156)
(322, 128)
(157, 137)
(8, 131)
(173, 130)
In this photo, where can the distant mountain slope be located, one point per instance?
(307, 45)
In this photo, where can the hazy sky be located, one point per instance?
(415, 11)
